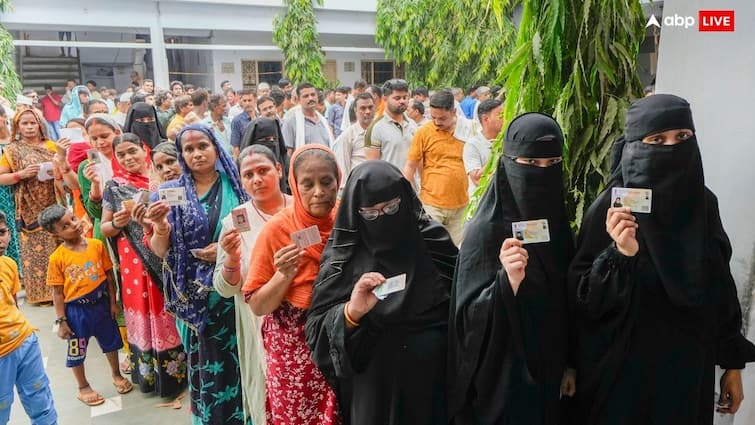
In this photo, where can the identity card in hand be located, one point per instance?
(241, 220)
(75, 135)
(141, 197)
(532, 231)
(174, 196)
(639, 200)
(391, 285)
(45, 171)
(306, 237)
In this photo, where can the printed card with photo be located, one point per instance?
(141, 197)
(45, 172)
(638, 200)
(240, 220)
(532, 231)
(391, 285)
(306, 237)
(174, 196)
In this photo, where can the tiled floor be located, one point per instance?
(132, 408)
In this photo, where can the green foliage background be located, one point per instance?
(573, 59)
(7, 67)
(296, 34)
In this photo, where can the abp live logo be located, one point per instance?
(715, 21)
(708, 21)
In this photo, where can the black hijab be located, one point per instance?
(674, 232)
(150, 133)
(519, 192)
(406, 242)
(257, 132)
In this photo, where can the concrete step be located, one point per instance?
(49, 60)
(51, 67)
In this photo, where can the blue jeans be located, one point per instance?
(54, 130)
(23, 368)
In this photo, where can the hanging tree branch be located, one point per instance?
(8, 72)
(296, 34)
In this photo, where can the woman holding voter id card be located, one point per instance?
(261, 173)
(509, 323)
(186, 221)
(657, 305)
(378, 321)
(284, 264)
(157, 358)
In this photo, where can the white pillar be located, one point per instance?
(159, 56)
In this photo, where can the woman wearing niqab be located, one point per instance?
(267, 132)
(508, 336)
(142, 121)
(390, 368)
(657, 306)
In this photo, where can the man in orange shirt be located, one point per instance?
(20, 357)
(437, 153)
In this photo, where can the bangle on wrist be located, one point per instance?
(115, 226)
(158, 230)
(60, 320)
(16, 177)
(348, 318)
(230, 269)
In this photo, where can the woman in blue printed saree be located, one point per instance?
(186, 237)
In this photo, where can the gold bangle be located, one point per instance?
(157, 232)
(348, 318)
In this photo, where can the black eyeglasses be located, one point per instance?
(390, 208)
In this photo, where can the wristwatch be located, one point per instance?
(60, 320)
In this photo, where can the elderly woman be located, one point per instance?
(157, 357)
(165, 162)
(657, 304)
(279, 286)
(389, 353)
(186, 237)
(260, 174)
(508, 339)
(20, 166)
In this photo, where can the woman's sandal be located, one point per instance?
(124, 387)
(90, 398)
(125, 367)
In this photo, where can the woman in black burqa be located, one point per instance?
(508, 331)
(389, 369)
(142, 121)
(657, 305)
(267, 132)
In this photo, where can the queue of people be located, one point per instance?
(276, 287)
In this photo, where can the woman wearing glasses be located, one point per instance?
(385, 356)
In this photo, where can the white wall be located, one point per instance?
(714, 72)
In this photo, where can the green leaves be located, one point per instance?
(296, 34)
(576, 60)
(8, 72)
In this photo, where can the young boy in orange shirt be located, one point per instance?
(20, 357)
(81, 274)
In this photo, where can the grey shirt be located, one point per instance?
(392, 138)
(314, 132)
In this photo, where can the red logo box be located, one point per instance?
(715, 21)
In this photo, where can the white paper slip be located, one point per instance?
(532, 231)
(306, 237)
(638, 200)
(240, 219)
(75, 135)
(391, 285)
(174, 196)
(45, 172)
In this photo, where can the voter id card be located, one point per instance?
(638, 200)
(532, 231)
(306, 237)
(174, 196)
(391, 285)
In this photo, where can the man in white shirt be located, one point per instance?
(350, 152)
(477, 149)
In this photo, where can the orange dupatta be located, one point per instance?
(277, 233)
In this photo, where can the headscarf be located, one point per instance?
(519, 192)
(16, 135)
(150, 133)
(673, 232)
(406, 242)
(73, 109)
(114, 168)
(167, 148)
(258, 130)
(187, 279)
(124, 176)
(277, 233)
